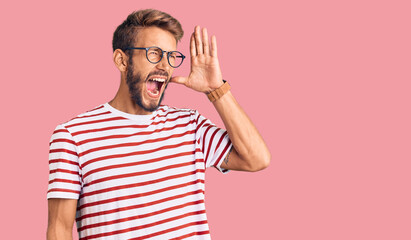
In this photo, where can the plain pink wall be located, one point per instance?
(326, 82)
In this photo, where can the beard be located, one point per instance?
(135, 88)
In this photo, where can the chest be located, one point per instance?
(137, 156)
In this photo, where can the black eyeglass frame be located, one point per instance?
(162, 55)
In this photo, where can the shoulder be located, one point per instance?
(177, 115)
(165, 110)
(97, 112)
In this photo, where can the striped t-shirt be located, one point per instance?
(136, 176)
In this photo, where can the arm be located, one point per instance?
(62, 213)
(249, 152)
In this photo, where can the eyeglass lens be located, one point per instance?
(155, 54)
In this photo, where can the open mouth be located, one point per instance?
(154, 86)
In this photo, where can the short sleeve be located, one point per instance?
(64, 175)
(213, 141)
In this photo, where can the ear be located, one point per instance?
(120, 60)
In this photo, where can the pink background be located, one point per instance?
(326, 82)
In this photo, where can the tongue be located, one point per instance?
(152, 86)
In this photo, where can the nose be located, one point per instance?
(163, 64)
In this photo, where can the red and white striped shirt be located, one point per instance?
(136, 176)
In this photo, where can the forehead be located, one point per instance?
(154, 36)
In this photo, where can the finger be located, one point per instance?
(197, 38)
(214, 46)
(193, 50)
(205, 42)
(179, 80)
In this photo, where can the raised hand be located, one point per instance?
(205, 75)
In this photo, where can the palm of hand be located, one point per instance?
(205, 75)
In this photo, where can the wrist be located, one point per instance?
(219, 92)
(214, 87)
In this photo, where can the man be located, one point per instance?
(134, 169)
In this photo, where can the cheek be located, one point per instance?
(142, 69)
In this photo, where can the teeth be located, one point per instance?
(158, 79)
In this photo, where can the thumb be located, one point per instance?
(179, 80)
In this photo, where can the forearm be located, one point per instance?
(251, 152)
(245, 137)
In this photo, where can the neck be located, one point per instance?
(123, 102)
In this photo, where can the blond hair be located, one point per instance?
(126, 33)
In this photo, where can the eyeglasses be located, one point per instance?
(155, 55)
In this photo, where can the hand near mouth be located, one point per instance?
(205, 75)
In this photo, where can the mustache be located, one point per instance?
(158, 73)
